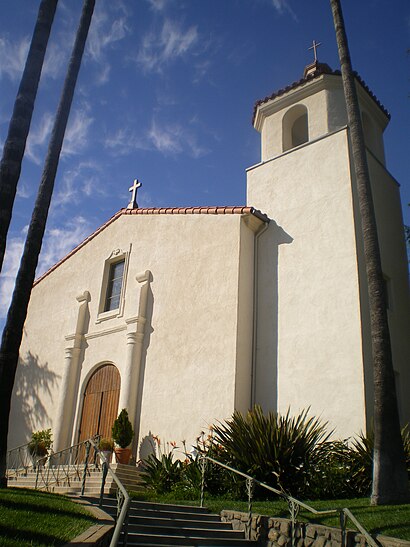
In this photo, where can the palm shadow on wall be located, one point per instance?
(34, 384)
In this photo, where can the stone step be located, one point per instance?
(155, 529)
(137, 509)
(68, 479)
(169, 507)
(179, 521)
(159, 524)
(147, 539)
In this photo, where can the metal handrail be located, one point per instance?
(124, 499)
(19, 458)
(64, 465)
(52, 474)
(293, 503)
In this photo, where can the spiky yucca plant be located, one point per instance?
(361, 460)
(272, 448)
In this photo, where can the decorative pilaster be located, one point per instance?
(135, 343)
(74, 352)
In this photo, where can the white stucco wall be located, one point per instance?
(313, 283)
(200, 270)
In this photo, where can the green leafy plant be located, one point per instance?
(40, 443)
(122, 431)
(106, 445)
(345, 468)
(330, 471)
(275, 449)
(162, 472)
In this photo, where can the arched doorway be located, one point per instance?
(100, 403)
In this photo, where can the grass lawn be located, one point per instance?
(388, 520)
(29, 517)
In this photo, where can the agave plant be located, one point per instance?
(272, 448)
(361, 460)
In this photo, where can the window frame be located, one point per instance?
(115, 257)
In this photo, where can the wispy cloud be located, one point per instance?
(10, 267)
(282, 6)
(13, 57)
(163, 137)
(56, 59)
(75, 139)
(174, 139)
(77, 182)
(125, 141)
(38, 137)
(23, 191)
(104, 34)
(158, 5)
(171, 43)
(57, 242)
(61, 240)
(76, 136)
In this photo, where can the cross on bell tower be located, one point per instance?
(314, 46)
(134, 188)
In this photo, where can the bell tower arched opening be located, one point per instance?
(295, 128)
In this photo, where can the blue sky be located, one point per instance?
(165, 95)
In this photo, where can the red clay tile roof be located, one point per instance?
(217, 210)
(321, 68)
(241, 210)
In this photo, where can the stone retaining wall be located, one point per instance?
(277, 532)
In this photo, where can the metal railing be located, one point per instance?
(293, 504)
(72, 466)
(18, 460)
(123, 499)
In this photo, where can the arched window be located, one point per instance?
(295, 129)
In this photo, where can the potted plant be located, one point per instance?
(106, 446)
(39, 446)
(122, 433)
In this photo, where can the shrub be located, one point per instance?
(330, 471)
(40, 443)
(122, 431)
(274, 449)
(106, 445)
(345, 469)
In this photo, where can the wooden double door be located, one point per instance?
(100, 404)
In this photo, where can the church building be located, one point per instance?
(184, 315)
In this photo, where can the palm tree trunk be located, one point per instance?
(15, 144)
(390, 481)
(13, 330)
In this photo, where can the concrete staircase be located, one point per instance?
(68, 479)
(157, 524)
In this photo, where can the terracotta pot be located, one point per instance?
(123, 455)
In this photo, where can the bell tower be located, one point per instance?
(312, 343)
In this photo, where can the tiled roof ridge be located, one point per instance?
(321, 69)
(204, 210)
(217, 210)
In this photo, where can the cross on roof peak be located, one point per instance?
(314, 46)
(134, 188)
